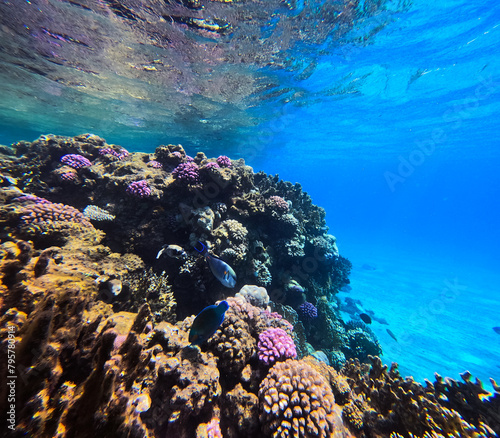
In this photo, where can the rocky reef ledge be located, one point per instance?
(100, 281)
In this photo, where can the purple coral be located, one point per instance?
(275, 344)
(121, 154)
(224, 161)
(212, 165)
(308, 310)
(75, 161)
(155, 164)
(279, 204)
(188, 172)
(139, 189)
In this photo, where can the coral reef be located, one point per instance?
(98, 303)
(385, 404)
(155, 164)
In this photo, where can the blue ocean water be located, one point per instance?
(391, 126)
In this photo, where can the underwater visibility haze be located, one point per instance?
(339, 161)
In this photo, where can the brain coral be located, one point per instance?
(296, 401)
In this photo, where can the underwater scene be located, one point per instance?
(249, 218)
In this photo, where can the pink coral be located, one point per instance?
(213, 428)
(224, 161)
(139, 189)
(275, 344)
(212, 165)
(278, 204)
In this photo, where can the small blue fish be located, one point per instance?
(221, 270)
(207, 322)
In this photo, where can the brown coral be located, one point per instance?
(233, 342)
(297, 401)
(241, 408)
(340, 387)
(396, 405)
(232, 239)
(52, 212)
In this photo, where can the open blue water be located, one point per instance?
(392, 127)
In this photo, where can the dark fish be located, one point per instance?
(207, 322)
(496, 330)
(392, 335)
(221, 270)
(365, 318)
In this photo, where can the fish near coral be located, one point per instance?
(207, 322)
(365, 318)
(173, 251)
(221, 270)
